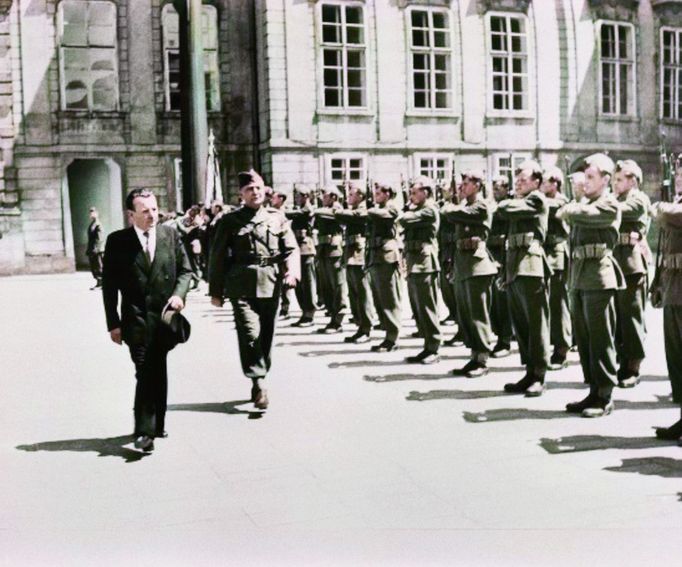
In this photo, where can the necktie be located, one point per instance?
(146, 247)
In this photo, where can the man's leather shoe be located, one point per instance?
(417, 357)
(629, 382)
(384, 346)
(430, 358)
(600, 408)
(472, 369)
(330, 329)
(672, 433)
(283, 314)
(416, 335)
(557, 361)
(144, 443)
(303, 322)
(261, 400)
(535, 390)
(161, 434)
(520, 386)
(357, 338)
(501, 350)
(578, 407)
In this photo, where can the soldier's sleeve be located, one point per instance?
(325, 213)
(289, 249)
(531, 206)
(389, 212)
(600, 214)
(183, 269)
(475, 214)
(292, 214)
(634, 207)
(216, 265)
(110, 286)
(668, 213)
(426, 216)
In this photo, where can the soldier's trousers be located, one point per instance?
(447, 291)
(561, 330)
(473, 300)
(335, 292)
(95, 260)
(255, 319)
(386, 285)
(500, 319)
(360, 297)
(630, 322)
(529, 309)
(672, 331)
(151, 390)
(594, 324)
(423, 291)
(305, 290)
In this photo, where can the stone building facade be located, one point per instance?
(313, 91)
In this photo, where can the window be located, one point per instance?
(671, 74)
(617, 67)
(509, 62)
(438, 168)
(344, 57)
(87, 55)
(346, 168)
(503, 165)
(171, 51)
(430, 59)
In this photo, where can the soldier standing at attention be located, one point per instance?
(556, 250)
(497, 241)
(527, 276)
(354, 218)
(330, 258)
(95, 249)
(278, 200)
(254, 254)
(420, 224)
(632, 254)
(384, 264)
(594, 278)
(301, 218)
(669, 296)
(446, 240)
(474, 269)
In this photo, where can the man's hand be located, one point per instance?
(176, 303)
(115, 335)
(290, 281)
(217, 301)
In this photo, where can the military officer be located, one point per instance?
(254, 254)
(420, 224)
(301, 217)
(332, 272)
(669, 296)
(278, 200)
(633, 255)
(556, 250)
(384, 255)
(527, 274)
(446, 239)
(474, 269)
(497, 241)
(594, 277)
(354, 219)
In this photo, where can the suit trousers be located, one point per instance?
(500, 319)
(529, 309)
(447, 291)
(560, 328)
(305, 290)
(387, 288)
(255, 319)
(473, 300)
(423, 291)
(672, 331)
(95, 260)
(630, 322)
(335, 292)
(360, 297)
(151, 391)
(594, 323)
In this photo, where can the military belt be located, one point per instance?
(585, 251)
(497, 241)
(520, 240)
(672, 262)
(334, 239)
(301, 233)
(256, 260)
(469, 243)
(626, 239)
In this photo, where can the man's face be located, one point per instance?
(524, 183)
(328, 199)
(622, 183)
(93, 215)
(145, 214)
(500, 191)
(300, 199)
(355, 198)
(550, 187)
(253, 195)
(216, 209)
(418, 195)
(469, 188)
(380, 196)
(277, 201)
(595, 182)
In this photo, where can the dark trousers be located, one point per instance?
(151, 392)
(594, 323)
(360, 297)
(561, 332)
(529, 308)
(447, 290)
(387, 288)
(255, 319)
(630, 325)
(500, 319)
(473, 299)
(423, 291)
(672, 331)
(95, 260)
(334, 289)
(305, 290)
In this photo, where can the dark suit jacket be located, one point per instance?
(144, 289)
(94, 238)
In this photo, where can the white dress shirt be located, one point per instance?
(148, 244)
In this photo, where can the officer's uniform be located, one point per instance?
(302, 225)
(354, 255)
(499, 306)
(632, 254)
(446, 248)
(473, 272)
(421, 260)
(251, 252)
(527, 274)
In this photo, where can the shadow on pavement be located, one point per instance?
(651, 466)
(404, 376)
(566, 385)
(105, 447)
(455, 395)
(361, 363)
(654, 378)
(578, 443)
(219, 407)
(317, 353)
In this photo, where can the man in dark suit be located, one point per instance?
(147, 264)
(94, 249)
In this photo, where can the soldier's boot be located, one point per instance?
(456, 340)
(357, 338)
(424, 357)
(522, 385)
(259, 396)
(600, 407)
(558, 359)
(628, 373)
(303, 322)
(578, 407)
(672, 433)
(384, 346)
(477, 366)
(501, 349)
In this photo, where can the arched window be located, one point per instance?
(88, 62)
(171, 57)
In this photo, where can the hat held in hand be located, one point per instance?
(175, 327)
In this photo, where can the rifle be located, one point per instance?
(510, 174)
(405, 192)
(438, 189)
(370, 192)
(568, 181)
(454, 195)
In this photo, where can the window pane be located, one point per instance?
(332, 97)
(104, 93)
(607, 41)
(420, 99)
(74, 22)
(76, 95)
(356, 97)
(420, 81)
(499, 102)
(355, 35)
(442, 62)
(440, 20)
(102, 23)
(355, 79)
(420, 19)
(209, 22)
(102, 59)
(332, 57)
(624, 89)
(516, 25)
(420, 61)
(441, 39)
(499, 42)
(354, 15)
(442, 100)
(331, 13)
(498, 24)
(356, 59)
(420, 38)
(76, 58)
(332, 78)
(170, 25)
(331, 34)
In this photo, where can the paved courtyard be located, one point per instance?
(360, 460)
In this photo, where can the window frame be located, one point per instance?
(59, 15)
(419, 156)
(346, 156)
(530, 76)
(431, 51)
(677, 103)
(632, 111)
(516, 159)
(320, 45)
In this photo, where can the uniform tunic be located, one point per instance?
(302, 224)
